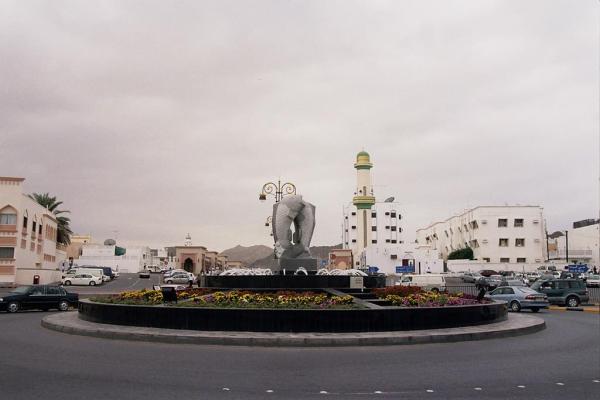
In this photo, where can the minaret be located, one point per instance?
(363, 200)
(188, 240)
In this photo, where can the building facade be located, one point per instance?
(28, 248)
(106, 255)
(496, 234)
(579, 245)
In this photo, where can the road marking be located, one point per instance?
(596, 380)
(521, 386)
(323, 392)
(429, 391)
(378, 392)
(270, 391)
(226, 389)
(477, 388)
(560, 384)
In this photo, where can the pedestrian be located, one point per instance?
(595, 270)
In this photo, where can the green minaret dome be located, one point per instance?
(363, 161)
(362, 153)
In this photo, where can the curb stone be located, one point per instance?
(516, 325)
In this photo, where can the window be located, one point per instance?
(504, 260)
(394, 256)
(8, 218)
(33, 227)
(446, 232)
(7, 252)
(52, 290)
(25, 222)
(373, 228)
(393, 214)
(353, 240)
(387, 240)
(576, 285)
(563, 284)
(486, 259)
(394, 229)
(521, 260)
(387, 213)
(502, 222)
(474, 224)
(474, 243)
(518, 222)
(353, 212)
(520, 242)
(373, 214)
(394, 241)
(503, 242)
(353, 226)
(508, 291)
(387, 227)
(40, 229)
(374, 241)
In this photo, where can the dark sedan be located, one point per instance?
(42, 297)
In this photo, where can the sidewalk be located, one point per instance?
(591, 309)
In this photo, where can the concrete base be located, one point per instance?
(517, 324)
(292, 264)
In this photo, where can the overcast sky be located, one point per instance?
(158, 118)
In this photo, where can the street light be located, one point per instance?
(278, 190)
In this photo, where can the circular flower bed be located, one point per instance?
(148, 297)
(280, 299)
(414, 296)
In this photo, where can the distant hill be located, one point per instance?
(248, 255)
(321, 252)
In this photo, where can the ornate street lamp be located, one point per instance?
(278, 190)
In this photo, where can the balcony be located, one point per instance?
(8, 228)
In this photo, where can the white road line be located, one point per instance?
(596, 380)
(521, 386)
(477, 388)
(323, 392)
(226, 389)
(378, 392)
(429, 391)
(560, 384)
(269, 391)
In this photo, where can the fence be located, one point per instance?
(594, 292)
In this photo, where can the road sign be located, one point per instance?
(373, 269)
(405, 269)
(579, 268)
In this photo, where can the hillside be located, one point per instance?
(249, 254)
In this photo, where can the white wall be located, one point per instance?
(383, 257)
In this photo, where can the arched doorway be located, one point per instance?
(188, 265)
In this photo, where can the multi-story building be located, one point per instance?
(496, 234)
(28, 231)
(367, 222)
(124, 260)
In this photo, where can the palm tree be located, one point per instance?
(64, 232)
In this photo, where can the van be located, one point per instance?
(433, 282)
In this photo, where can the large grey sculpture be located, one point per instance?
(293, 250)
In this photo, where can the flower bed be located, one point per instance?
(280, 299)
(148, 297)
(413, 296)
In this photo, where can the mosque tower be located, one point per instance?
(363, 200)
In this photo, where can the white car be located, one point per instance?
(593, 281)
(82, 279)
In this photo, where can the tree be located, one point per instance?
(461, 254)
(64, 232)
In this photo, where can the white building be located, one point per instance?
(102, 255)
(28, 233)
(583, 241)
(383, 224)
(496, 234)
(373, 231)
(402, 259)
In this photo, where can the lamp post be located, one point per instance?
(278, 190)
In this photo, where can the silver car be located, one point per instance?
(520, 297)
(180, 277)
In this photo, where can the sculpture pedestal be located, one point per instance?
(292, 264)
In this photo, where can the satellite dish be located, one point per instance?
(110, 242)
(389, 200)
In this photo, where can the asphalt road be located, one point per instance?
(561, 362)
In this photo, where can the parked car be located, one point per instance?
(593, 280)
(533, 276)
(82, 278)
(512, 282)
(519, 297)
(488, 272)
(433, 282)
(172, 271)
(144, 274)
(43, 297)
(471, 277)
(153, 268)
(107, 272)
(494, 281)
(569, 292)
(180, 277)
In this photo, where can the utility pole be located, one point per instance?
(567, 246)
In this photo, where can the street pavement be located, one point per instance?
(561, 362)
